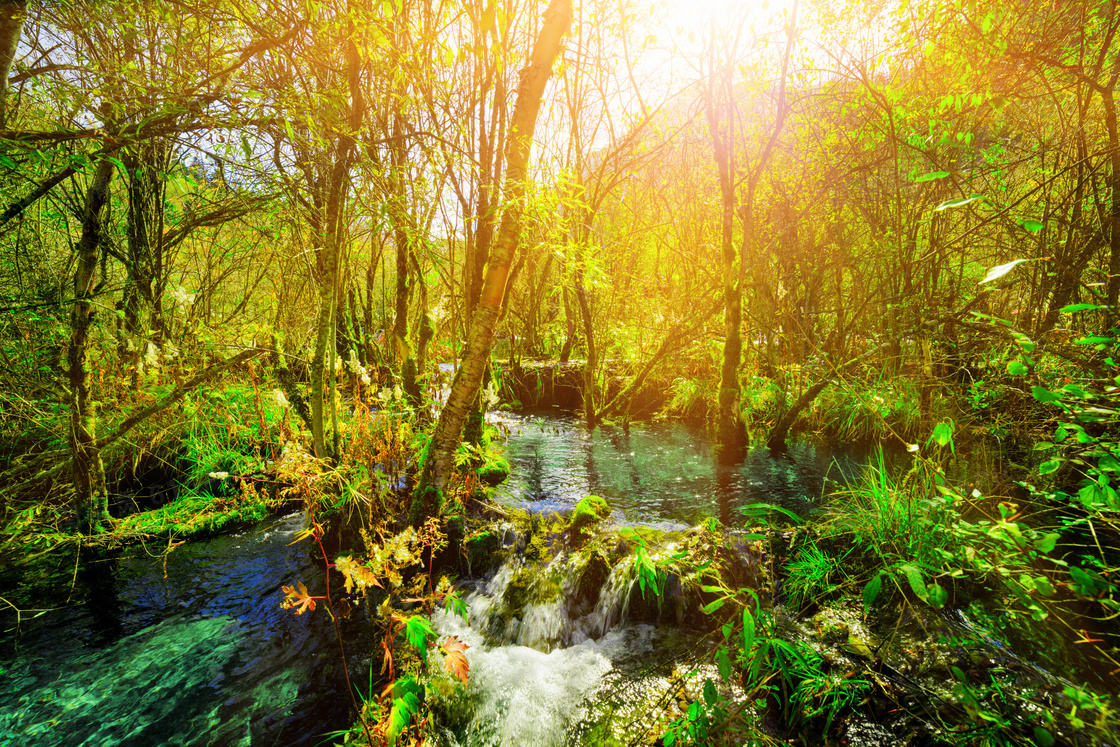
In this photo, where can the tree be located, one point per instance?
(468, 379)
(720, 108)
(12, 14)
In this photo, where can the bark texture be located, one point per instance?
(89, 480)
(12, 14)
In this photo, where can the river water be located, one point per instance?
(195, 651)
(662, 474)
(135, 649)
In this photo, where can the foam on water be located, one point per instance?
(525, 696)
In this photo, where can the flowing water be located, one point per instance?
(570, 671)
(138, 650)
(195, 651)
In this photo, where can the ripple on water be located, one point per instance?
(661, 474)
(194, 652)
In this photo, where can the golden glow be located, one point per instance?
(691, 15)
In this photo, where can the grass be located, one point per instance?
(875, 409)
(810, 576)
(896, 520)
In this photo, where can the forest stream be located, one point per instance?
(194, 648)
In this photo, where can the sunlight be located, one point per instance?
(689, 14)
(676, 32)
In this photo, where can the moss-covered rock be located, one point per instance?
(528, 586)
(494, 470)
(483, 551)
(589, 512)
(197, 516)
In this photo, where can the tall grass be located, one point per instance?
(868, 410)
(897, 520)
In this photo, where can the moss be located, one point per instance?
(528, 587)
(588, 512)
(454, 526)
(494, 470)
(483, 550)
(426, 501)
(195, 516)
(649, 536)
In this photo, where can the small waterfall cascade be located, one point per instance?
(552, 640)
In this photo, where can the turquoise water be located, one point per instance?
(197, 652)
(662, 473)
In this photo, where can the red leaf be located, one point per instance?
(455, 660)
(297, 598)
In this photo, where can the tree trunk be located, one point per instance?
(324, 335)
(1110, 119)
(590, 415)
(731, 433)
(569, 327)
(145, 229)
(88, 472)
(12, 13)
(465, 387)
(777, 440)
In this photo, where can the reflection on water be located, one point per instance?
(194, 652)
(661, 473)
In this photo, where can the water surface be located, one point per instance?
(195, 651)
(662, 473)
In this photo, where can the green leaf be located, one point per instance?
(1044, 395)
(958, 202)
(917, 582)
(1084, 582)
(762, 510)
(748, 630)
(1043, 738)
(723, 662)
(1076, 391)
(936, 596)
(1081, 307)
(1000, 270)
(1095, 340)
(1026, 343)
(417, 630)
(1016, 368)
(931, 176)
(1051, 465)
(711, 607)
(943, 435)
(871, 591)
(1043, 586)
(710, 694)
(1034, 226)
(408, 695)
